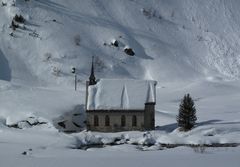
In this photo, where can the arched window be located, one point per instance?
(95, 120)
(123, 120)
(134, 120)
(107, 120)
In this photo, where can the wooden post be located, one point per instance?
(75, 77)
(75, 82)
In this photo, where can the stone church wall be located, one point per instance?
(115, 121)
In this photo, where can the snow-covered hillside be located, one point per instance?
(171, 39)
(188, 46)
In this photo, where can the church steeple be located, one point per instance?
(92, 79)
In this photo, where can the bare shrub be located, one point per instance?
(77, 40)
(199, 149)
(19, 18)
(47, 57)
(4, 4)
(56, 71)
(14, 26)
(149, 13)
(99, 64)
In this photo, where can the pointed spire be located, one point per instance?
(92, 79)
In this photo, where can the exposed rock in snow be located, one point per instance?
(129, 51)
(115, 43)
(28, 123)
(71, 121)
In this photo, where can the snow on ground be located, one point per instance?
(120, 156)
(188, 46)
(45, 146)
(19, 102)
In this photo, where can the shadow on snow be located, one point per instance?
(5, 71)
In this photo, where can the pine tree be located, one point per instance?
(187, 114)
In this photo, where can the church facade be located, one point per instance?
(114, 105)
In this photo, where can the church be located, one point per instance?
(114, 105)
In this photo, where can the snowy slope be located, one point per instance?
(172, 40)
(188, 46)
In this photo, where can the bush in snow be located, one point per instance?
(34, 34)
(14, 26)
(147, 139)
(99, 64)
(47, 57)
(199, 149)
(13, 3)
(19, 18)
(77, 40)
(200, 38)
(187, 114)
(148, 12)
(4, 4)
(56, 71)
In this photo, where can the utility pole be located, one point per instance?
(75, 77)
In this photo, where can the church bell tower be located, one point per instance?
(92, 79)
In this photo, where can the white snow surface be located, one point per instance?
(187, 46)
(115, 94)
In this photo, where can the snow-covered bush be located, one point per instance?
(147, 139)
(91, 139)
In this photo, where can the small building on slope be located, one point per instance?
(114, 105)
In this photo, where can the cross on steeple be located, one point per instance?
(92, 79)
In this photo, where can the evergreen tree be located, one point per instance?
(187, 114)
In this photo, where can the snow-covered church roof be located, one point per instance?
(126, 94)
